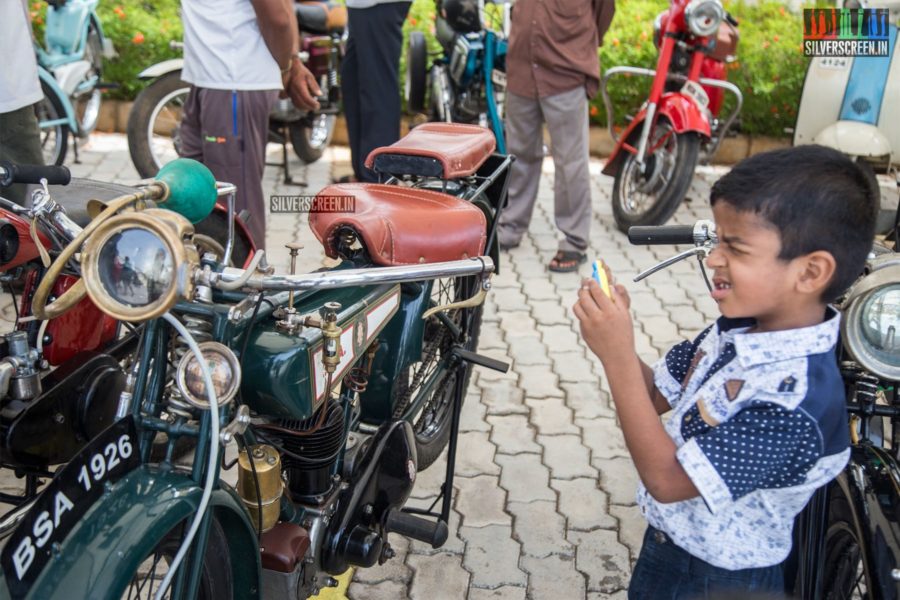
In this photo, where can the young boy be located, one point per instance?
(758, 420)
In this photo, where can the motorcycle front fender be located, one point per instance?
(162, 68)
(104, 550)
(47, 77)
(683, 113)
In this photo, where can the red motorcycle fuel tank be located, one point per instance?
(84, 327)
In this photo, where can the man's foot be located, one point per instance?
(566, 261)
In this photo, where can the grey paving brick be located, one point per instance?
(603, 559)
(553, 312)
(512, 434)
(566, 456)
(540, 529)
(538, 288)
(481, 501)
(603, 437)
(504, 398)
(438, 576)
(631, 527)
(525, 478)
(506, 592)
(491, 337)
(517, 323)
(573, 367)
(392, 570)
(475, 454)
(387, 590)
(509, 298)
(492, 556)
(559, 338)
(583, 504)
(587, 400)
(551, 416)
(539, 381)
(553, 577)
(618, 478)
(471, 418)
(528, 351)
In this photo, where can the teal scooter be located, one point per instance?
(69, 68)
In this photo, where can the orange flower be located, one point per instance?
(39, 20)
(594, 111)
(774, 110)
(412, 21)
(138, 38)
(644, 35)
(766, 44)
(119, 12)
(782, 11)
(774, 38)
(615, 41)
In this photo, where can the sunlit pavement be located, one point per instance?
(544, 503)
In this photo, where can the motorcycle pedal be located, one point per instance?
(417, 528)
(481, 360)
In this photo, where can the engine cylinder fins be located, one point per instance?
(317, 444)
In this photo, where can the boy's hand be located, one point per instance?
(606, 323)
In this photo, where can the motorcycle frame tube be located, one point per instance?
(491, 45)
(45, 76)
(167, 498)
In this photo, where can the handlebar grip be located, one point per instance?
(661, 235)
(430, 532)
(55, 175)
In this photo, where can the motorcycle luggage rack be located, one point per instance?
(677, 77)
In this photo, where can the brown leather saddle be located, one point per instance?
(321, 17)
(402, 225)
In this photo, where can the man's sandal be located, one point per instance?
(566, 261)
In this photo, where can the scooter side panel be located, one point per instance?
(822, 97)
(104, 550)
(865, 92)
(889, 119)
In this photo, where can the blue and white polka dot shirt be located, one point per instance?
(760, 423)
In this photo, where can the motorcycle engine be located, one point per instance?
(464, 58)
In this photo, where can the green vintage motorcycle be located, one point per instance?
(336, 386)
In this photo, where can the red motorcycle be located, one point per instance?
(654, 159)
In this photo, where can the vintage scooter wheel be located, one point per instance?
(87, 105)
(55, 138)
(154, 123)
(311, 136)
(652, 197)
(432, 423)
(845, 571)
(416, 72)
(215, 578)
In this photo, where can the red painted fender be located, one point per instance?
(682, 112)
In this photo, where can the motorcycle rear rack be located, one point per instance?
(720, 132)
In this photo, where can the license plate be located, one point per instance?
(834, 63)
(695, 92)
(498, 77)
(73, 490)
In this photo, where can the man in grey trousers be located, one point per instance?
(552, 71)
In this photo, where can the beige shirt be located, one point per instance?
(553, 46)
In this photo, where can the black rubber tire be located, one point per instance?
(216, 227)
(432, 424)
(669, 197)
(305, 148)
(215, 578)
(52, 108)
(416, 72)
(846, 573)
(139, 121)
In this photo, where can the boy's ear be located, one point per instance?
(816, 270)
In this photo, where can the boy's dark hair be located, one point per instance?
(817, 199)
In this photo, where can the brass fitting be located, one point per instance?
(268, 473)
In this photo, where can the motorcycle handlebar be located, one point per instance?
(731, 19)
(11, 173)
(661, 235)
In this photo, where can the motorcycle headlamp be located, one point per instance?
(136, 265)
(223, 366)
(704, 16)
(871, 324)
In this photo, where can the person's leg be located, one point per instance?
(189, 130)
(379, 39)
(20, 142)
(255, 107)
(567, 120)
(524, 140)
(350, 87)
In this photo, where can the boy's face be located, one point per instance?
(749, 280)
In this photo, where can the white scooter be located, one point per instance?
(851, 104)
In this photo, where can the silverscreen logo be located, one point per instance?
(312, 204)
(846, 32)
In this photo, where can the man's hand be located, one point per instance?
(605, 321)
(300, 85)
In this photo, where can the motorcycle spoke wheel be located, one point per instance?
(87, 102)
(844, 569)
(154, 125)
(54, 134)
(433, 376)
(651, 196)
(310, 137)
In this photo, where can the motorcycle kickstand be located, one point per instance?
(75, 148)
(285, 165)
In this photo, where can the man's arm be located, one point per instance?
(659, 401)
(277, 24)
(604, 10)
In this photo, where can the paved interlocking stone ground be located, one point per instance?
(544, 503)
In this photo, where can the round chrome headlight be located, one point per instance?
(704, 16)
(135, 265)
(871, 324)
(224, 369)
